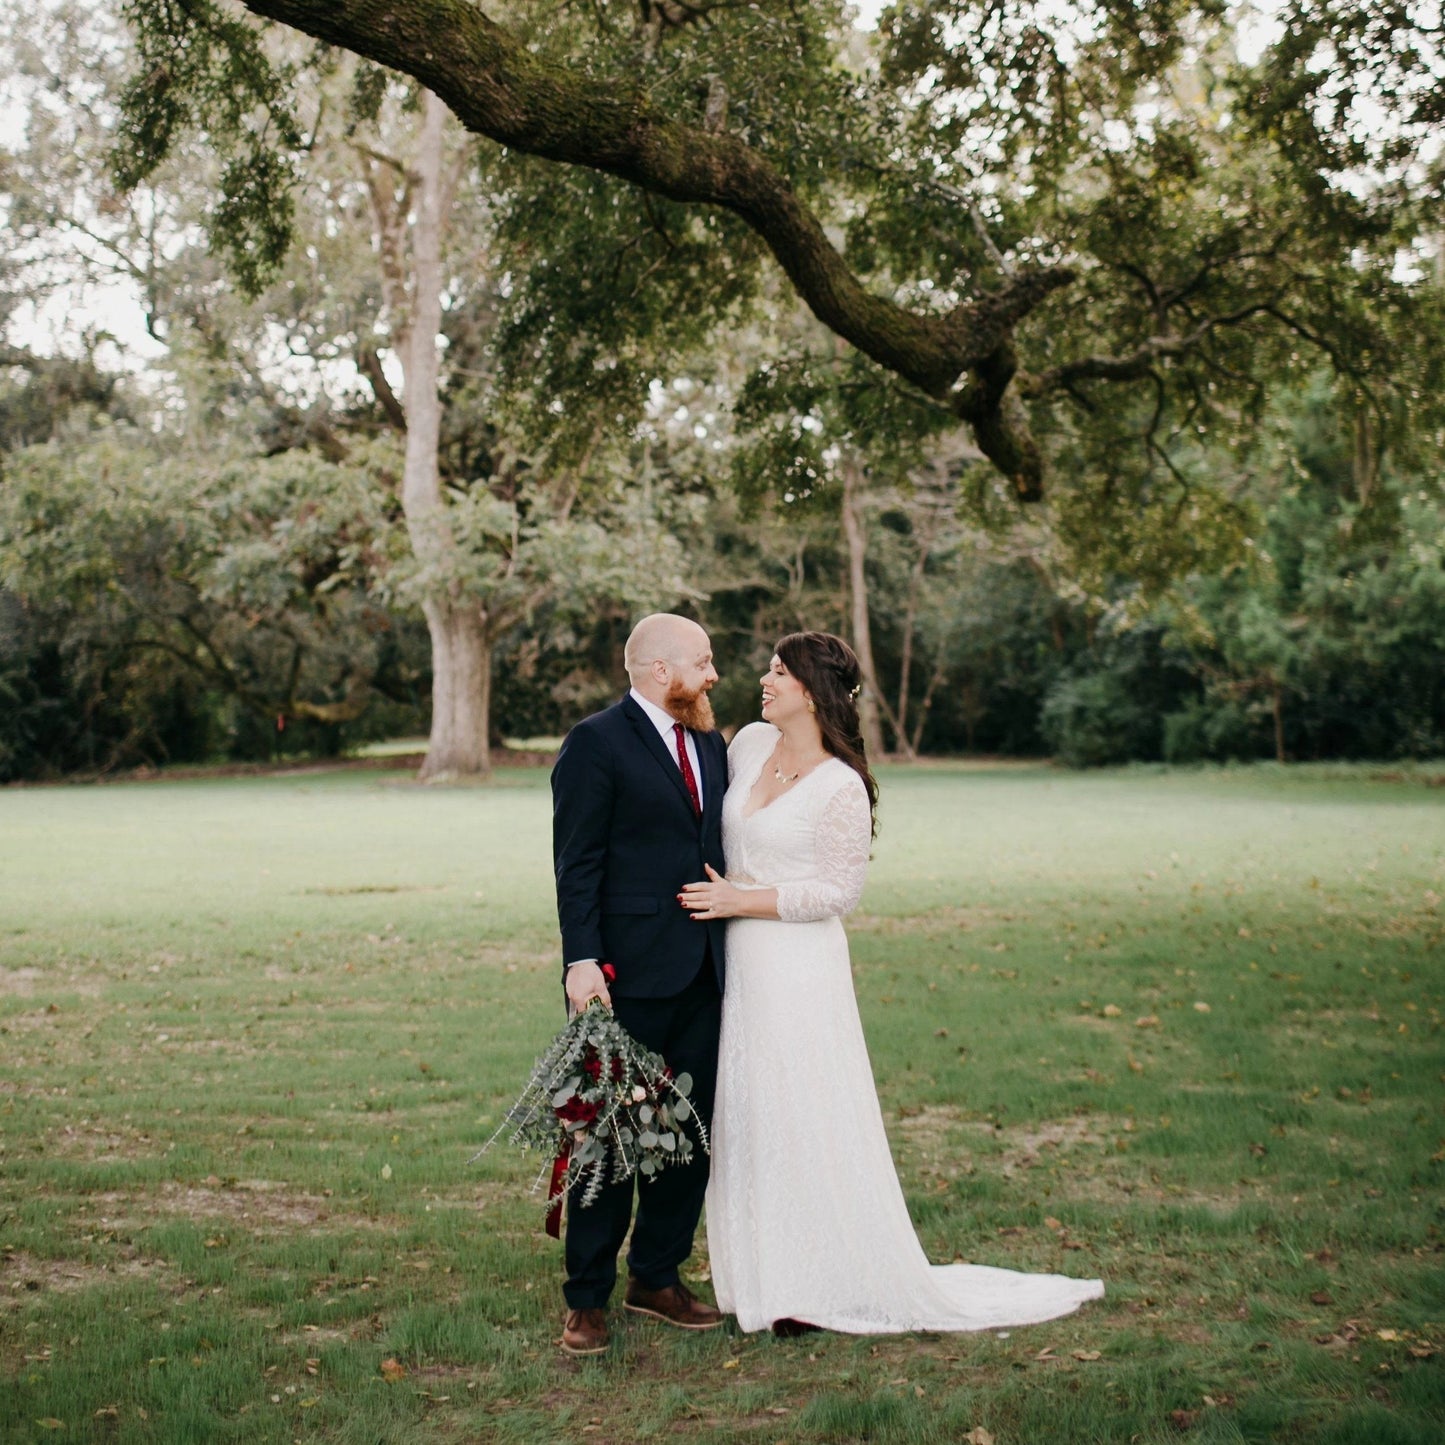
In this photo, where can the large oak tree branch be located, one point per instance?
(500, 89)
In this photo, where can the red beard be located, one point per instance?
(692, 709)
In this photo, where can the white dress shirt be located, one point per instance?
(665, 724)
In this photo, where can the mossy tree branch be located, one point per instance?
(501, 90)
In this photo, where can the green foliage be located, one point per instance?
(198, 65)
(1112, 712)
(37, 393)
(167, 595)
(951, 151)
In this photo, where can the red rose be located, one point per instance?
(616, 1070)
(592, 1065)
(577, 1111)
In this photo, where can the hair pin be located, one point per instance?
(855, 689)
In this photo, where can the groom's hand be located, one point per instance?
(584, 983)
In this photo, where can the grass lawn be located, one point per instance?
(1180, 1030)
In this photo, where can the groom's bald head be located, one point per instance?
(669, 660)
(663, 637)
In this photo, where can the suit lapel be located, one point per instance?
(713, 786)
(652, 740)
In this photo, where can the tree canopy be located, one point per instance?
(1094, 233)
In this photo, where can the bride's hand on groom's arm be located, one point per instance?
(717, 898)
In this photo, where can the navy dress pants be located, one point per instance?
(684, 1029)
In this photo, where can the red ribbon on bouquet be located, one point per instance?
(564, 1153)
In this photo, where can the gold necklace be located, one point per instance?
(778, 771)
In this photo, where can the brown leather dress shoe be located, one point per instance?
(676, 1304)
(584, 1332)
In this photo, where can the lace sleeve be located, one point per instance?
(844, 833)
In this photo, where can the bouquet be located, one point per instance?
(601, 1106)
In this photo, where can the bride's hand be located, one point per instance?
(716, 898)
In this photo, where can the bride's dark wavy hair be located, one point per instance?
(828, 668)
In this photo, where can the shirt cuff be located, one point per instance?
(574, 962)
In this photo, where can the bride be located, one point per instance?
(806, 1222)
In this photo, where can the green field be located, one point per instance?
(1180, 1030)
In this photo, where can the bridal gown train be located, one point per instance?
(805, 1216)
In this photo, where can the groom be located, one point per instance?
(637, 795)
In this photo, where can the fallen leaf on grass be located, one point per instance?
(1112, 1010)
(392, 1371)
(978, 1436)
(1148, 1021)
(51, 1423)
(1201, 1007)
(1389, 1336)
(730, 1364)
(1424, 1350)
(1087, 1355)
(108, 1412)
(1222, 1403)
(1183, 1419)
(1322, 1297)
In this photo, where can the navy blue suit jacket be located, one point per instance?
(624, 841)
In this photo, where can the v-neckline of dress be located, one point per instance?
(757, 778)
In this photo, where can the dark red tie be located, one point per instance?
(686, 767)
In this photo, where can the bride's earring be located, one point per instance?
(812, 706)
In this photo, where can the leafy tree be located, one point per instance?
(1068, 229)
(155, 577)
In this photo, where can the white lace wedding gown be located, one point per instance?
(805, 1216)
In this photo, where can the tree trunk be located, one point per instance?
(461, 692)
(1277, 707)
(925, 530)
(855, 532)
(461, 649)
(1364, 461)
